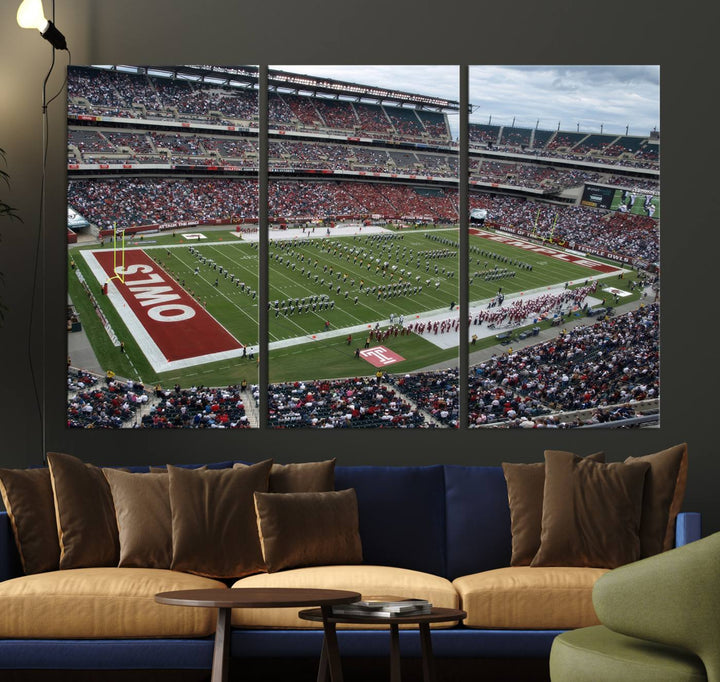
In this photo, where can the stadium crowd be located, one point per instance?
(198, 407)
(139, 201)
(135, 201)
(627, 235)
(607, 149)
(341, 403)
(127, 404)
(112, 146)
(127, 95)
(92, 405)
(610, 363)
(434, 392)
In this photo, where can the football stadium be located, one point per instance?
(364, 260)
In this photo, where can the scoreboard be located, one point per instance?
(622, 200)
(596, 196)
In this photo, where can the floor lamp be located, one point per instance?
(30, 14)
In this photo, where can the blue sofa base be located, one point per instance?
(196, 654)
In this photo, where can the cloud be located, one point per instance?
(614, 97)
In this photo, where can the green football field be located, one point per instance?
(319, 284)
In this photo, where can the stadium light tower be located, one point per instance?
(30, 14)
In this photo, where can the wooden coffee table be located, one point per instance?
(258, 598)
(331, 653)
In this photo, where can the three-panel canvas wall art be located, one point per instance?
(375, 251)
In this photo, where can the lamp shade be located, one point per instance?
(30, 14)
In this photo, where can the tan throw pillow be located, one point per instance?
(84, 512)
(525, 484)
(142, 509)
(308, 529)
(300, 477)
(663, 498)
(28, 498)
(591, 512)
(214, 532)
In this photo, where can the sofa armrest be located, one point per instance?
(672, 598)
(10, 566)
(688, 528)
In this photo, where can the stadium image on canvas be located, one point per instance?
(363, 257)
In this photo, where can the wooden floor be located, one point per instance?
(305, 670)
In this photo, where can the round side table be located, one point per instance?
(422, 620)
(259, 598)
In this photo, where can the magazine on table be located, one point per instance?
(383, 607)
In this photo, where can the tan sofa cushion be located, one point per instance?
(102, 603)
(529, 598)
(368, 580)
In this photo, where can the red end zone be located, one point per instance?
(176, 323)
(545, 251)
(379, 356)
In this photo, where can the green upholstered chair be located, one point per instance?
(660, 622)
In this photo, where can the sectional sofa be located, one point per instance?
(437, 532)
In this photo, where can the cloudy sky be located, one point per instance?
(613, 97)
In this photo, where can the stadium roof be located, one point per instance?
(335, 88)
(247, 77)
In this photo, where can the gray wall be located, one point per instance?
(319, 31)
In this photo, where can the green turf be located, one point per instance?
(351, 260)
(335, 358)
(224, 373)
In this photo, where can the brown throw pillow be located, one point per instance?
(591, 512)
(28, 498)
(87, 529)
(300, 477)
(142, 509)
(662, 499)
(214, 532)
(525, 484)
(308, 529)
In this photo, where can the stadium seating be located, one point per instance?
(141, 201)
(613, 362)
(515, 137)
(342, 403)
(593, 143)
(480, 134)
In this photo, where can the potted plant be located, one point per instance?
(5, 211)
